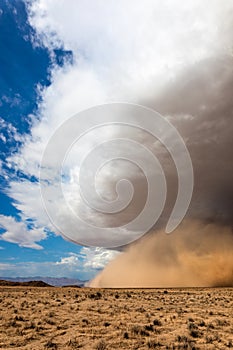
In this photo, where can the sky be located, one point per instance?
(25, 249)
(60, 58)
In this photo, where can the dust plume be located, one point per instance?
(197, 254)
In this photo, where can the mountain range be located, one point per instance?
(53, 281)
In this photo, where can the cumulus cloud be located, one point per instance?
(18, 232)
(71, 260)
(97, 258)
(94, 258)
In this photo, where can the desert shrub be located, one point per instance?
(19, 332)
(84, 320)
(153, 344)
(139, 330)
(182, 338)
(212, 338)
(149, 327)
(101, 345)
(30, 325)
(201, 323)
(221, 322)
(73, 344)
(157, 322)
(141, 309)
(126, 335)
(210, 326)
(136, 329)
(50, 345)
(12, 323)
(209, 339)
(193, 330)
(144, 333)
(19, 318)
(50, 322)
(95, 296)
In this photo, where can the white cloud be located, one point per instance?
(97, 258)
(3, 138)
(10, 132)
(12, 101)
(71, 260)
(89, 258)
(19, 233)
(27, 197)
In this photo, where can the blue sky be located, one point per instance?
(25, 67)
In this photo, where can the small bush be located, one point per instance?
(126, 335)
(182, 339)
(157, 322)
(84, 320)
(149, 327)
(139, 330)
(96, 296)
(50, 345)
(73, 343)
(50, 322)
(153, 344)
(136, 329)
(193, 330)
(101, 345)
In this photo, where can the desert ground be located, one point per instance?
(85, 318)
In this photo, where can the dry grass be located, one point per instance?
(69, 318)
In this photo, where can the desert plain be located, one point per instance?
(84, 318)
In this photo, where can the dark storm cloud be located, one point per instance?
(200, 104)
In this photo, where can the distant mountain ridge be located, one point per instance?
(5, 283)
(53, 281)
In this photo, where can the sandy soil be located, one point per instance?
(70, 318)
